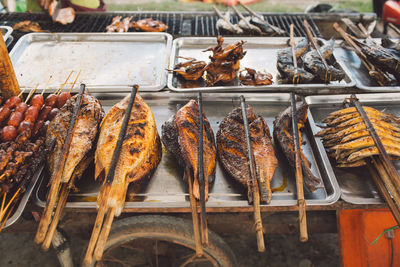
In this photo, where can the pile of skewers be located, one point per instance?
(307, 62)
(383, 64)
(22, 148)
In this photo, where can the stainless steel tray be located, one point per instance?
(261, 55)
(21, 206)
(107, 61)
(166, 188)
(6, 32)
(352, 64)
(356, 184)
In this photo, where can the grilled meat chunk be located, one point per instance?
(86, 126)
(233, 153)
(149, 25)
(253, 77)
(140, 153)
(313, 63)
(180, 136)
(191, 69)
(283, 135)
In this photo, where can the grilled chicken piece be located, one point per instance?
(86, 126)
(119, 26)
(191, 69)
(27, 26)
(233, 153)
(180, 136)
(283, 135)
(286, 67)
(149, 25)
(314, 64)
(140, 153)
(253, 77)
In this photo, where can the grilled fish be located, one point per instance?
(371, 151)
(180, 136)
(140, 153)
(350, 113)
(363, 142)
(314, 64)
(233, 153)
(390, 44)
(283, 135)
(86, 126)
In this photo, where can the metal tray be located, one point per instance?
(352, 64)
(166, 188)
(107, 61)
(21, 206)
(6, 32)
(261, 55)
(356, 184)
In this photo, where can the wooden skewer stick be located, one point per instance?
(106, 188)
(20, 94)
(47, 84)
(2, 176)
(195, 215)
(5, 220)
(317, 48)
(73, 84)
(31, 93)
(55, 185)
(105, 231)
(254, 182)
(391, 25)
(223, 17)
(204, 230)
(9, 203)
(3, 202)
(63, 84)
(251, 29)
(299, 175)
(293, 46)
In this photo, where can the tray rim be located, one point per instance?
(265, 88)
(105, 87)
(393, 96)
(283, 98)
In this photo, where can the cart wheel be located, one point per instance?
(153, 240)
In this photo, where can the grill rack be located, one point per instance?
(179, 23)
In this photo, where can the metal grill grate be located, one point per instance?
(179, 23)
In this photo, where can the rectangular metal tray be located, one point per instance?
(24, 200)
(261, 55)
(166, 189)
(356, 184)
(352, 64)
(107, 61)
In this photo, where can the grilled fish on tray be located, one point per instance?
(348, 141)
(283, 135)
(233, 154)
(180, 136)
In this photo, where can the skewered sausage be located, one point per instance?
(8, 133)
(51, 100)
(21, 107)
(23, 126)
(12, 102)
(31, 114)
(44, 113)
(4, 113)
(62, 98)
(38, 125)
(16, 118)
(37, 101)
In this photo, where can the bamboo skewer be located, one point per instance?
(102, 228)
(73, 84)
(393, 27)
(293, 46)
(63, 84)
(31, 92)
(223, 17)
(254, 182)
(55, 185)
(22, 91)
(315, 45)
(299, 175)
(204, 230)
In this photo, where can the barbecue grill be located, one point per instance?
(179, 23)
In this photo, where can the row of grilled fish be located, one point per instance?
(310, 67)
(348, 140)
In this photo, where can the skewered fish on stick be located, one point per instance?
(224, 22)
(348, 140)
(149, 25)
(191, 69)
(233, 154)
(180, 137)
(390, 44)
(283, 135)
(252, 77)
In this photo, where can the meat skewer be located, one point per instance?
(225, 23)
(255, 183)
(293, 46)
(245, 24)
(299, 175)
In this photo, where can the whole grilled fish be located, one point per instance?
(180, 136)
(140, 152)
(390, 44)
(283, 135)
(86, 127)
(314, 64)
(233, 153)
(286, 67)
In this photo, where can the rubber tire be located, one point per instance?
(167, 228)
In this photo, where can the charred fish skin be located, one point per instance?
(180, 137)
(86, 129)
(233, 154)
(283, 136)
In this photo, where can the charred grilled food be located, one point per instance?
(191, 69)
(180, 136)
(283, 135)
(252, 77)
(233, 154)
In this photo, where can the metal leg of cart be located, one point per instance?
(61, 246)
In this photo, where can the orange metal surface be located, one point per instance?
(357, 229)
